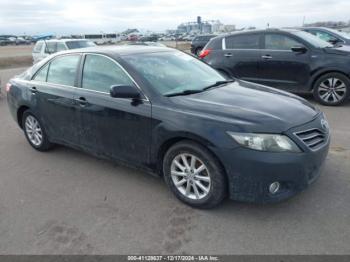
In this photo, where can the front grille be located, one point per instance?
(313, 138)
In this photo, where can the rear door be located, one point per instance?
(279, 66)
(54, 87)
(113, 127)
(241, 54)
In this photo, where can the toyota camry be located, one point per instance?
(170, 114)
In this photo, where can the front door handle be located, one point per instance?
(266, 57)
(33, 90)
(228, 55)
(81, 101)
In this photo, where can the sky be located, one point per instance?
(95, 16)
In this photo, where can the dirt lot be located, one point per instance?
(21, 56)
(15, 56)
(67, 202)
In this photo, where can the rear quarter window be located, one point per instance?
(214, 44)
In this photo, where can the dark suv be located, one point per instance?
(292, 60)
(199, 43)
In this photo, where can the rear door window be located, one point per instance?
(63, 70)
(280, 42)
(244, 41)
(100, 73)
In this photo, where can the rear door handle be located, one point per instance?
(228, 55)
(33, 90)
(81, 101)
(266, 57)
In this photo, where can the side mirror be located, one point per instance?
(334, 41)
(124, 91)
(299, 49)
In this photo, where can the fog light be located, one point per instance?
(274, 187)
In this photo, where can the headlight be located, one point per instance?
(265, 142)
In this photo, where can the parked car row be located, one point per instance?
(14, 40)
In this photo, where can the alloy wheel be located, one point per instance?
(34, 131)
(332, 90)
(190, 176)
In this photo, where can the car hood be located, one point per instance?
(342, 50)
(249, 107)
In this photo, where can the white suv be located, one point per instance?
(44, 48)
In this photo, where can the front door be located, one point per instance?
(112, 127)
(280, 67)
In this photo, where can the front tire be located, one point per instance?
(35, 132)
(194, 175)
(332, 89)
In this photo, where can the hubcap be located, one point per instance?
(33, 131)
(190, 176)
(332, 90)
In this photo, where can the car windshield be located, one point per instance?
(174, 72)
(341, 33)
(312, 40)
(79, 44)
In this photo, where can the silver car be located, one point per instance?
(44, 48)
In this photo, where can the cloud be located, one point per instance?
(69, 16)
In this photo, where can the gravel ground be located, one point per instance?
(67, 202)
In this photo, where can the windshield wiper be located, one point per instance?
(195, 91)
(185, 93)
(218, 83)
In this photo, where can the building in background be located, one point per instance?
(204, 27)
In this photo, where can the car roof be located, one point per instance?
(63, 40)
(121, 50)
(315, 27)
(282, 30)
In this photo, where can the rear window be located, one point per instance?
(214, 44)
(79, 44)
(245, 41)
(51, 47)
(37, 47)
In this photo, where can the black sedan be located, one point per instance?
(170, 114)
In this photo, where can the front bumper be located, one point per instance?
(250, 172)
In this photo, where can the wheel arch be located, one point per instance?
(322, 73)
(20, 113)
(167, 144)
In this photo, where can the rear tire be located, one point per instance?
(194, 175)
(35, 132)
(332, 89)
